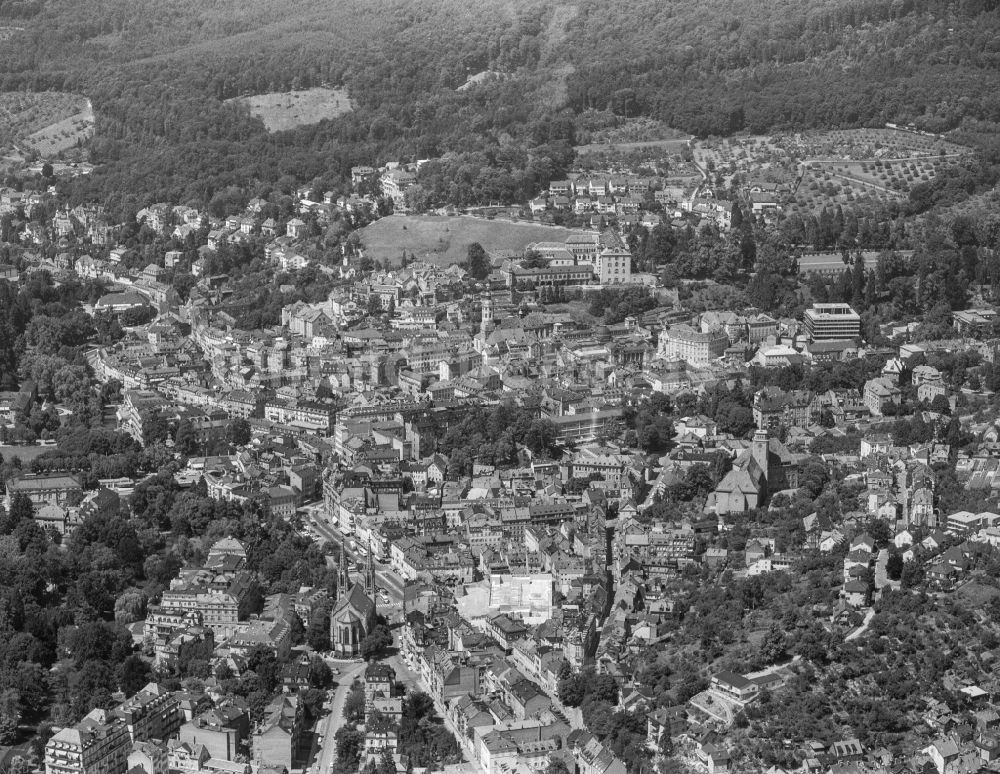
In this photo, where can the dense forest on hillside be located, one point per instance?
(158, 74)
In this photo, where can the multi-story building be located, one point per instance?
(394, 184)
(50, 489)
(734, 687)
(974, 322)
(879, 393)
(319, 417)
(380, 680)
(153, 713)
(282, 501)
(550, 276)
(586, 426)
(98, 744)
(760, 326)
(361, 174)
(184, 645)
(825, 322)
(135, 408)
(613, 468)
(592, 757)
(613, 267)
(243, 404)
(682, 342)
(774, 408)
(221, 730)
(482, 531)
(276, 739)
(221, 609)
(149, 757)
(208, 426)
(427, 358)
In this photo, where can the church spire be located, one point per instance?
(342, 580)
(370, 574)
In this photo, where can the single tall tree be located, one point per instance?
(479, 261)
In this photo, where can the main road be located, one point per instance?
(387, 579)
(409, 677)
(334, 719)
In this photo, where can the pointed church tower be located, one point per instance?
(353, 615)
(343, 580)
(370, 574)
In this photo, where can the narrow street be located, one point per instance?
(861, 629)
(881, 564)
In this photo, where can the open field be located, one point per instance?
(24, 114)
(445, 240)
(281, 110)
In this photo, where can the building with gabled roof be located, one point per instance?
(220, 730)
(45, 489)
(766, 467)
(276, 739)
(353, 615)
(591, 756)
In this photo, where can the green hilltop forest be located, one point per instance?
(158, 74)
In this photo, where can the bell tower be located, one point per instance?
(488, 315)
(759, 450)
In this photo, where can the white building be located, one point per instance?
(613, 267)
(828, 322)
(682, 342)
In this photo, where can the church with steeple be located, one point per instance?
(353, 615)
(760, 471)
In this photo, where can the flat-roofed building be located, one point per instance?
(974, 322)
(735, 687)
(825, 322)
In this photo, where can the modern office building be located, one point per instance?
(827, 322)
